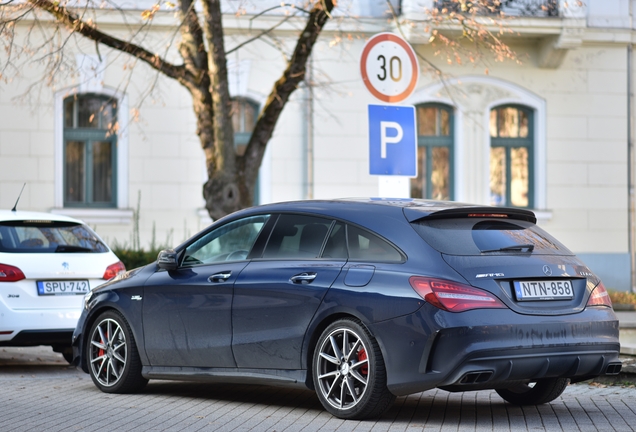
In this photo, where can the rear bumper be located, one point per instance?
(492, 348)
(499, 369)
(20, 326)
(56, 337)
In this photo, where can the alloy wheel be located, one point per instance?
(108, 352)
(343, 368)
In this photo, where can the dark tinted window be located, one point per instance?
(297, 237)
(336, 246)
(44, 236)
(472, 236)
(365, 246)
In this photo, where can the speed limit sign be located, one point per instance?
(389, 67)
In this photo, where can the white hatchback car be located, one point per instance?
(47, 263)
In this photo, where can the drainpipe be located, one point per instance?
(630, 155)
(309, 163)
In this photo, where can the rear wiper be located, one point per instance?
(515, 248)
(71, 248)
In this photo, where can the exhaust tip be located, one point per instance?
(475, 377)
(613, 368)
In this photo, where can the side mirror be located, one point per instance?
(167, 259)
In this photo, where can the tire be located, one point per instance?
(113, 359)
(349, 373)
(543, 391)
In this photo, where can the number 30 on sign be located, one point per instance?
(389, 67)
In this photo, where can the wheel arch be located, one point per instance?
(95, 313)
(316, 330)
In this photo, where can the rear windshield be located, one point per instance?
(48, 237)
(477, 236)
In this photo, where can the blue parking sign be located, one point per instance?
(392, 140)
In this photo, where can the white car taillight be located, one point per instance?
(113, 270)
(9, 273)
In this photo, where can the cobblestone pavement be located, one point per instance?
(39, 391)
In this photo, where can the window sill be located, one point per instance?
(97, 216)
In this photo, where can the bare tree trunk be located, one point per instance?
(221, 191)
(231, 178)
(249, 164)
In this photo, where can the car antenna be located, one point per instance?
(16, 201)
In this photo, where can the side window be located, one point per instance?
(365, 246)
(336, 247)
(297, 237)
(230, 242)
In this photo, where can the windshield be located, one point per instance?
(479, 236)
(44, 236)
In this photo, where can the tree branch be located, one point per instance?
(74, 23)
(192, 48)
(293, 75)
(258, 36)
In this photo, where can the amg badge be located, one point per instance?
(490, 275)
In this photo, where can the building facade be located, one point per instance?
(550, 133)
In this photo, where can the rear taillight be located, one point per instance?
(599, 297)
(10, 273)
(113, 270)
(453, 296)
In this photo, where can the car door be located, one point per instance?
(276, 296)
(187, 312)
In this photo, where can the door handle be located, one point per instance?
(303, 278)
(220, 277)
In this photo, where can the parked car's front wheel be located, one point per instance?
(114, 363)
(349, 373)
(535, 393)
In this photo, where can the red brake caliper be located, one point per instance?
(101, 351)
(362, 355)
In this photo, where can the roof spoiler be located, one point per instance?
(473, 212)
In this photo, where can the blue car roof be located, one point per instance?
(412, 208)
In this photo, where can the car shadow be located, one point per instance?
(244, 393)
(31, 357)
(430, 408)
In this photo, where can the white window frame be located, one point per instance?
(502, 93)
(120, 215)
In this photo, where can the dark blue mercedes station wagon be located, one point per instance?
(361, 300)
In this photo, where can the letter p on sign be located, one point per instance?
(384, 139)
(392, 140)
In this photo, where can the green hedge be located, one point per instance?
(622, 297)
(135, 258)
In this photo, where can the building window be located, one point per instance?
(434, 153)
(532, 8)
(511, 156)
(90, 151)
(244, 115)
